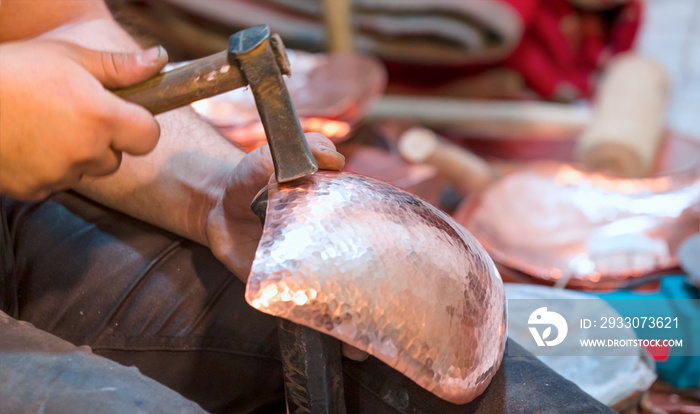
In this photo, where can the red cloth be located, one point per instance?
(563, 47)
(559, 56)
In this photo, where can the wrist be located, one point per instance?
(203, 203)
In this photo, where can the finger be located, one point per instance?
(108, 163)
(25, 193)
(116, 70)
(69, 180)
(259, 161)
(323, 150)
(134, 130)
(315, 138)
(257, 166)
(328, 159)
(255, 170)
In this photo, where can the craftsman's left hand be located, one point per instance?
(232, 230)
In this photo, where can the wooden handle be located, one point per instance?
(197, 80)
(628, 118)
(467, 171)
(486, 118)
(337, 15)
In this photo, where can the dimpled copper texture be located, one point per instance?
(582, 229)
(386, 272)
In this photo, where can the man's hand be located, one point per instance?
(57, 120)
(232, 230)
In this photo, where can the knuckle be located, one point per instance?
(109, 164)
(52, 179)
(29, 194)
(153, 135)
(86, 148)
(112, 64)
(320, 140)
(117, 159)
(100, 114)
(144, 135)
(61, 48)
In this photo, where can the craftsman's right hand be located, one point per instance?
(59, 121)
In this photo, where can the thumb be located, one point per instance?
(117, 70)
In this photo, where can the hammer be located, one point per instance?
(256, 58)
(311, 360)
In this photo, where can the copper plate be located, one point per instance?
(563, 225)
(386, 272)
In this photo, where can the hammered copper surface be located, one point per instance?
(386, 272)
(568, 226)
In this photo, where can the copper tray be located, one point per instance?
(564, 226)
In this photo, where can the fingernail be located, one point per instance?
(331, 150)
(150, 57)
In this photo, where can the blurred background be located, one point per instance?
(670, 34)
(563, 134)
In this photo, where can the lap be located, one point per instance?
(147, 298)
(144, 297)
(43, 373)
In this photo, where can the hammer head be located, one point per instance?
(262, 59)
(247, 40)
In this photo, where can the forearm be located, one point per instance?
(176, 185)
(173, 186)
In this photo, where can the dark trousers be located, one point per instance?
(143, 297)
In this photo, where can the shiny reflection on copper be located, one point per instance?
(386, 272)
(566, 225)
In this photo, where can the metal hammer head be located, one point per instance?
(248, 39)
(262, 59)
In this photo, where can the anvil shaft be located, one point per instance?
(313, 372)
(311, 360)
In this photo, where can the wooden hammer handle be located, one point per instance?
(628, 119)
(465, 170)
(338, 19)
(197, 80)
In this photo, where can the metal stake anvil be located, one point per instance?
(256, 58)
